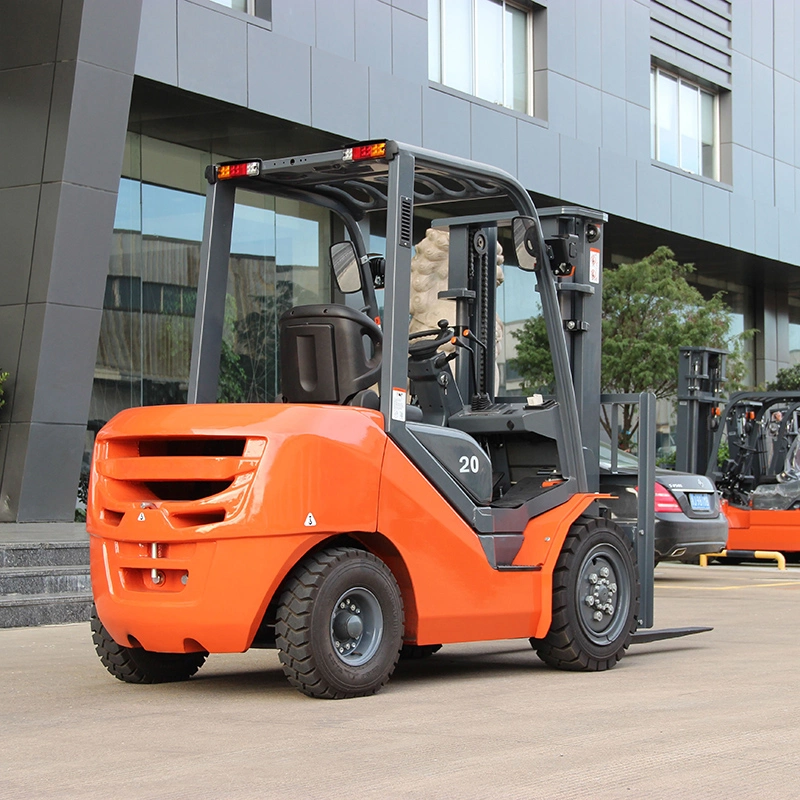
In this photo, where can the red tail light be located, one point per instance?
(665, 501)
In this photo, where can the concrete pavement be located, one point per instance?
(711, 716)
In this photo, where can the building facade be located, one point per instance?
(680, 119)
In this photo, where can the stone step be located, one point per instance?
(22, 611)
(43, 554)
(44, 580)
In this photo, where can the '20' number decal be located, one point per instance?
(469, 464)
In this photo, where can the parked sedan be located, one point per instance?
(689, 520)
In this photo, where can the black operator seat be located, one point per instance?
(323, 357)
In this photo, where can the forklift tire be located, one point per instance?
(339, 624)
(595, 599)
(136, 665)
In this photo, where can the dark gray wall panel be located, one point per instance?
(763, 179)
(741, 101)
(637, 122)
(269, 55)
(73, 240)
(560, 33)
(445, 123)
(24, 102)
(157, 53)
(373, 34)
(418, 7)
(82, 144)
(335, 29)
(612, 33)
(763, 110)
(789, 241)
(561, 103)
(494, 138)
(716, 214)
(784, 130)
(617, 184)
(686, 198)
(109, 33)
(762, 32)
(766, 217)
(339, 95)
(53, 460)
(295, 19)
(743, 223)
(580, 173)
(588, 57)
(58, 343)
(29, 33)
(538, 157)
(652, 195)
(588, 114)
(395, 108)
(17, 226)
(409, 47)
(12, 319)
(742, 168)
(784, 187)
(637, 54)
(212, 53)
(614, 131)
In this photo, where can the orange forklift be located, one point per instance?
(392, 503)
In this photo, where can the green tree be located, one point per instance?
(3, 378)
(650, 311)
(787, 380)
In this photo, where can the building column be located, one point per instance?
(772, 339)
(66, 73)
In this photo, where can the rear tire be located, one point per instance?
(136, 665)
(595, 599)
(339, 624)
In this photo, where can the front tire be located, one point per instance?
(136, 665)
(595, 599)
(339, 624)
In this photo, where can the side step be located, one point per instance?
(643, 637)
(22, 611)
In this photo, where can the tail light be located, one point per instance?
(665, 501)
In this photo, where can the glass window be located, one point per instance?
(256, 8)
(481, 47)
(145, 341)
(683, 124)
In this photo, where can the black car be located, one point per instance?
(688, 516)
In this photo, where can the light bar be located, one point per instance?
(243, 169)
(362, 152)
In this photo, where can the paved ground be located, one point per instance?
(712, 716)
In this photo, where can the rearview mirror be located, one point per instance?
(526, 243)
(346, 267)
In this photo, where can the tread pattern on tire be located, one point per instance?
(134, 665)
(561, 647)
(293, 624)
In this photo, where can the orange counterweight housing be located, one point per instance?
(196, 523)
(762, 529)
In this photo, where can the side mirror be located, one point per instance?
(526, 243)
(346, 267)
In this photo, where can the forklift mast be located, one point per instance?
(701, 386)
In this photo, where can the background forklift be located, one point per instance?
(346, 523)
(759, 477)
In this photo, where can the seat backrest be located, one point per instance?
(324, 356)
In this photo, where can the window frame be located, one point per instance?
(701, 89)
(437, 47)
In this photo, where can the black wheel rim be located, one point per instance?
(602, 594)
(356, 627)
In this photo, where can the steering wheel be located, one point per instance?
(425, 348)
